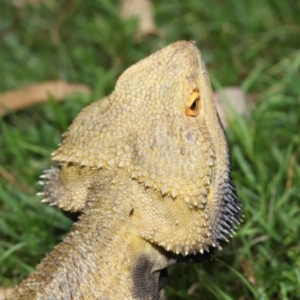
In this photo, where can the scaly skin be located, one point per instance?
(149, 169)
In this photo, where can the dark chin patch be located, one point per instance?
(149, 276)
(146, 283)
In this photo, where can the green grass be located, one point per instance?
(252, 44)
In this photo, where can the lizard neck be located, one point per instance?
(103, 251)
(114, 258)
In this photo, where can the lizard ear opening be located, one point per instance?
(193, 105)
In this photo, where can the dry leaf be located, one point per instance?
(4, 292)
(143, 10)
(191, 290)
(229, 99)
(247, 268)
(38, 93)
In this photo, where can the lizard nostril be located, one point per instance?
(131, 212)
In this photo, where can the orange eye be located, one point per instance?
(193, 105)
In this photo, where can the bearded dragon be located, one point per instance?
(148, 168)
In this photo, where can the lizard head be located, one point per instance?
(161, 127)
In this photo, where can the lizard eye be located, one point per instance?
(193, 105)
